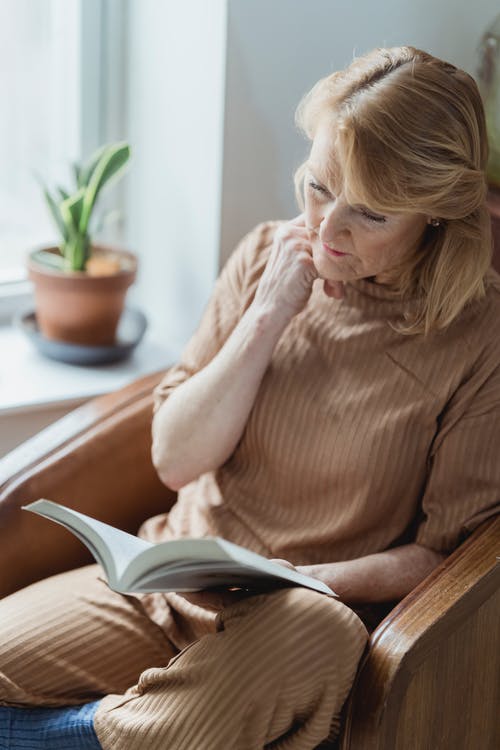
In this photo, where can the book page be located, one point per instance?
(188, 564)
(175, 553)
(197, 577)
(112, 548)
(192, 564)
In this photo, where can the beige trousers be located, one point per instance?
(271, 671)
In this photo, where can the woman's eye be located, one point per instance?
(372, 217)
(318, 188)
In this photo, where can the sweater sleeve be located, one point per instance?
(463, 487)
(232, 294)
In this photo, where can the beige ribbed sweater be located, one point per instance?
(360, 438)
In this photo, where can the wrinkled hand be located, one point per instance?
(285, 563)
(218, 598)
(313, 571)
(286, 283)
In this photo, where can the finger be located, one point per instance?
(285, 563)
(299, 220)
(334, 289)
(313, 230)
(292, 231)
(297, 238)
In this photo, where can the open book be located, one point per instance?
(132, 564)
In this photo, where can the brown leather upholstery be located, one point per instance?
(430, 676)
(96, 459)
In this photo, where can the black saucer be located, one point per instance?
(130, 331)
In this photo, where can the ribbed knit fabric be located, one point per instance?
(360, 437)
(69, 728)
(275, 674)
(272, 670)
(69, 640)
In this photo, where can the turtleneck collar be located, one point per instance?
(368, 288)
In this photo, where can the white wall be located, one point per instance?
(175, 106)
(214, 86)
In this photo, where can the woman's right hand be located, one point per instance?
(286, 284)
(188, 442)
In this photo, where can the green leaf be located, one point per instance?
(63, 193)
(71, 211)
(56, 214)
(51, 260)
(77, 173)
(110, 164)
(87, 171)
(76, 252)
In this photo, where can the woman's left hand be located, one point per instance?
(285, 563)
(313, 571)
(219, 598)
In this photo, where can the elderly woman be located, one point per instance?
(337, 409)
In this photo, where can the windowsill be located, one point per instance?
(29, 381)
(15, 297)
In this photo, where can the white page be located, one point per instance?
(129, 558)
(212, 574)
(210, 553)
(184, 550)
(124, 546)
(252, 559)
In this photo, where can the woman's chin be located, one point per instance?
(330, 269)
(327, 273)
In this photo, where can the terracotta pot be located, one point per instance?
(77, 307)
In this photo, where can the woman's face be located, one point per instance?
(352, 242)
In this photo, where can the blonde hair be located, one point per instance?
(410, 135)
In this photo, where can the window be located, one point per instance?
(53, 83)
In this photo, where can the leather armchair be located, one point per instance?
(430, 676)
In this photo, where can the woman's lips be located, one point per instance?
(333, 252)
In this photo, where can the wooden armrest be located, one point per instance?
(95, 459)
(435, 655)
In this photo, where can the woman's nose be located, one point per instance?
(335, 222)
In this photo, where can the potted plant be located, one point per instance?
(79, 286)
